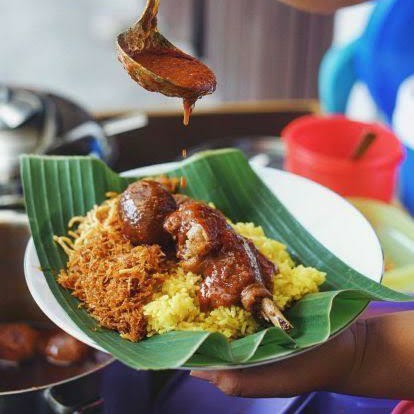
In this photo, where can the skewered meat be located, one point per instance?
(234, 270)
(143, 207)
(17, 341)
(59, 348)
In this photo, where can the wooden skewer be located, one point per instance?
(271, 313)
(366, 141)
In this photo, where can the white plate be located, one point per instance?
(327, 216)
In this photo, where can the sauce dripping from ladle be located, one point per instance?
(188, 105)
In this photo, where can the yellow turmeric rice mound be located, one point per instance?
(138, 292)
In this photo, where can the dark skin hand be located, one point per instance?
(321, 6)
(373, 358)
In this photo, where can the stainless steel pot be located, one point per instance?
(34, 122)
(76, 394)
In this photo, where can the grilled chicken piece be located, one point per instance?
(143, 208)
(195, 231)
(234, 271)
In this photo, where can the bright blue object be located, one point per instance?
(407, 179)
(382, 58)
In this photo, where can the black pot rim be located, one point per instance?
(96, 368)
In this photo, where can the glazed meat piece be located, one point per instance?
(181, 199)
(17, 342)
(143, 207)
(234, 271)
(195, 229)
(59, 348)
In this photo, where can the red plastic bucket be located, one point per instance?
(320, 148)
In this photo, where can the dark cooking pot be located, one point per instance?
(75, 394)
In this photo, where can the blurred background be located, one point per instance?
(258, 49)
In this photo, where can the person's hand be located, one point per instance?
(326, 367)
(373, 358)
(320, 6)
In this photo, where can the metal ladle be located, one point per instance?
(144, 37)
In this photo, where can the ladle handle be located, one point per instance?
(148, 19)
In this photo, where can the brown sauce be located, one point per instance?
(183, 71)
(188, 105)
(37, 371)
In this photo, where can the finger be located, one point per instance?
(252, 382)
(269, 381)
(230, 382)
(204, 375)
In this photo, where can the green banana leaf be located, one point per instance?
(57, 188)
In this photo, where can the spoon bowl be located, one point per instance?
(158, 66)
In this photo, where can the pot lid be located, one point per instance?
(17, 107)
